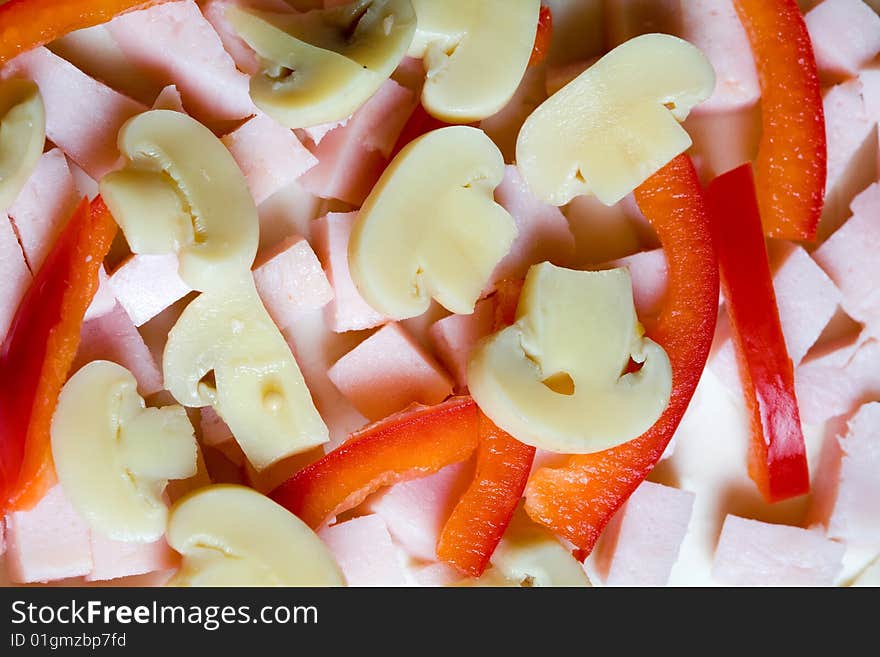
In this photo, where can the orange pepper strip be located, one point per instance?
(26, 24)
(406, 446)
(578, 499)
(792, 156)
(39, 350)
(543, 37)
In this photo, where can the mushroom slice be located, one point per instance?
(557, 378)
(22, 135)
(617, 123)
(114, 456)
(226, 352)
(475, 54)
(431, 226)
(234, 536)
(322, 65)
(182, 191)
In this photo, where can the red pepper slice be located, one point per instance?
(404, 446)
(578, 499)
(792, 156)
(39, 350)
(26, 24)
(777, 457)
(543, 37)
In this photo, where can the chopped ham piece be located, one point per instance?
(215, 12)
(389, 371)
(754, 553)
(43, 207)
(83, 116)
(415, 511)
(145, 285)
(435, 575)
(348, 311)
(647, 270)
(84, 183)
(14, 273)
(845, 499)
(214, 430)
(113, 559)
(114, 337)
(269, 155)
(317, 132)
(642, 541)
(845, 36)
(49, 542)
(290, 281)
(174, 44)
(169, 99)
(455, 336)
(104, 300)
(363, 549)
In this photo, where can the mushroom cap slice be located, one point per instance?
(22, 135)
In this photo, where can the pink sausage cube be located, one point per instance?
(847, 497)
(114, 559)
(415, 511)
(14, 273)
(387, 372)
(317, 132)
(49, 542)
(348, 311)
(83, 116)
(290, 281)
(43, 207)
(642, 541)
(269, 155)
(174, 44)
(145, 285)
(455, 336)
(169, 99)
(363, 549)
(648, 271)
(754, 553)
(845, 36)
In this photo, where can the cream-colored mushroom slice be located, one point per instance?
(234, 536)
(114, 456)
(556, 379)
(226, 352)
(22, 135)
(475, 54)
(182, 191)
(431, 227)
(617, 123)
(320, 66)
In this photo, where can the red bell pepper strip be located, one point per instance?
(26, 24)
(777, 457)
(39, 350)
(578, 499)
(543, 37)
(404, 446)
(792, 156)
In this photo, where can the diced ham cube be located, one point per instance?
(317, 132)
(145, 285)
(455, 336)
(14, 273)
(415, 511)
(846, 501)
(114, 337)
(754, 553)
(648, 271)
(84, 183)
(49, 542)
(642, 541)
(104, 300)
(174, 44)
(389, 371)
(849, 257)
(169, 99)
(114, 559)
(83, 116)
(43, 207)
(242, 54)
(363, 549)
(352, 157)
(269, 155)
(348, 311)
(290, 281)
(845, 36)
(435, 575)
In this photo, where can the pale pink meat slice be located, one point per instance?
(145, 285)
(363, 549)
(113, 559)
(104, 300)
(648, 271)
(14, 272)
(454, 337)
(435, 575)
(169, 99)
(845, 36)
(242, 54)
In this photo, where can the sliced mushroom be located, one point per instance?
(182, 191)
(557, 378)
(475, 54)
(114, 456)
(320, 66)
(431, 227)
(22, 135)
(233, 536)
(617, 123)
